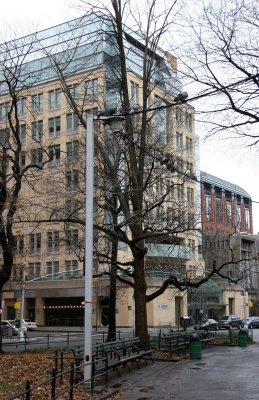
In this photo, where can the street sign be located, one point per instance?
(17, 306)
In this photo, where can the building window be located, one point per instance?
(71, 267)
(54, 127)
(180, 167)
(18, 245)
(36, 157)
(23, 159)
(208, 207)
(247, 219)
(189, 167)
(228, 213)
(72, 180)
(4, 109)
(52, 269)
(178, 116)
(37, 130)
(74, 91)
(72, 208)
(219, 210)
(5, 138)
(21, 107)
(54, 155)
(161, 121)
(23, 133)
(134, 92)
(189, 146)
(35, 269)
(91, 89)
(53, 241)
(180, 193)
(4, 165)
(35, 243)
(54, 99)
(190, 196)
(72, 151)
(37, 103)
(72, 239)
(188, 121)
(238, 217)
(72, 123)
(179, 141)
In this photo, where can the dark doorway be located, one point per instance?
(105, 312)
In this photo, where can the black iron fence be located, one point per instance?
(54, 339)
(52, 387)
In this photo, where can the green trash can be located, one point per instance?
(242, 337)
(195, 347)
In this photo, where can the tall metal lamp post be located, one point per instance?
(116, 123)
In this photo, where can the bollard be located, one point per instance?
(242, 337)
(195, 347)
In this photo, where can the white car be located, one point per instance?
(30, 325)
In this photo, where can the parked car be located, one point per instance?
(28, 325)
(16, 325)
(208, 325)
(7, 329)
(229, 321)
(251, 322)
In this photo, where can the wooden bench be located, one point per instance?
(176, 342)
(109, 356)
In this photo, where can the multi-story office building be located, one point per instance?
(67, 71)
(227, 239)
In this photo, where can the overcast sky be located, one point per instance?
(227, 160)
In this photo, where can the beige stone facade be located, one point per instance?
(53, 251)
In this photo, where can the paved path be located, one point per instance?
(223, 373)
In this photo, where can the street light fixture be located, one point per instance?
(116, 123)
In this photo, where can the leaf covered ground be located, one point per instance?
(16, 369)
(36, 367)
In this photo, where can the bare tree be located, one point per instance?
(147, 181)
(17, 165)
(220, 58)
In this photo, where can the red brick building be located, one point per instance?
(227, 238)
(225, 207)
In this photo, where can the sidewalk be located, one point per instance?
(224, 373)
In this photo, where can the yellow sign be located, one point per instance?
(250, 303)
(17, 306)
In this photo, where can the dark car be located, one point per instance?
(229, 321)
(208, 325)
(251, 322)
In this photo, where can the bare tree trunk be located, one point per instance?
(1, 338)
(140, 298)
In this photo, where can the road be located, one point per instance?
(52, 339)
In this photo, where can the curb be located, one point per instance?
(108, 395)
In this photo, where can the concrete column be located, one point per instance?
(39, 311)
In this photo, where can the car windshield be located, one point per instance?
(225, 318)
